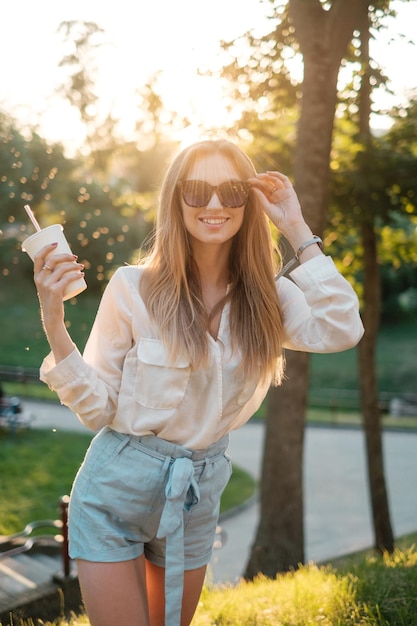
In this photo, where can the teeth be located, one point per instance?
(214, 221)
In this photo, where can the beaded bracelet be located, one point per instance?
(288, 266)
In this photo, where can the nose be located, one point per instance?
(214, 202)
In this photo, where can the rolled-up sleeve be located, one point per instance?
(89, 385)
(320, 308)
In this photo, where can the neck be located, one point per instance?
(213, 265)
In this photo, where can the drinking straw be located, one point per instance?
(32, 217)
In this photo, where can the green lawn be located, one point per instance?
(37, 467)
(23, 343)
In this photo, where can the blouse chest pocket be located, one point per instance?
(159, 383)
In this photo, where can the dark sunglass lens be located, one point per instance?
(196, 192)
(233, 193)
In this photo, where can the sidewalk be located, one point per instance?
(337, 509)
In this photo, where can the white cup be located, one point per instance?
(51, 234)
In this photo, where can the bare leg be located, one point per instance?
(193, 584)
(114, 593)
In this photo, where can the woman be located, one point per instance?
(183, 350)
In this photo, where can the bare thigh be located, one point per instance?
(155, 582)
(114, 593)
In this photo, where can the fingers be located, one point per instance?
(52, 272)
(57, 270)
(45, 260)
(277, 198)
(40, 258)
(270, 182)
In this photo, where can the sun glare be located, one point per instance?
(202, 102)
(172, 39)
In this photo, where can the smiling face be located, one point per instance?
(212, 224)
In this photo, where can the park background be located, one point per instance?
(94, 105)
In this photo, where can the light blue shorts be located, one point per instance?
(144, 495)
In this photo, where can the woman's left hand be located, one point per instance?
(279, 200)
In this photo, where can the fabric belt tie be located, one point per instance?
(182, 493)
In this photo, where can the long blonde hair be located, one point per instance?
(170, 284)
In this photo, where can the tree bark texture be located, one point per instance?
(323, 37)
(383, 535)
(280, 534)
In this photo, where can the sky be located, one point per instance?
(172, 36)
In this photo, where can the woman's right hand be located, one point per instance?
(52, 274)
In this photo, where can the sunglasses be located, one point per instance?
(197, 193)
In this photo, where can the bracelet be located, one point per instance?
(310, 242)
(288, 266)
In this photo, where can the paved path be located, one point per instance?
(337, 509)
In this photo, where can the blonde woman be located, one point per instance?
(183, 350)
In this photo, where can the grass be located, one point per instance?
(37, 467)
(367, 590)
(364, 590)
(331, 417)
(240, 488)
(23, 342)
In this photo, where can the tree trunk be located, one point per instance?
(323, 37)
(279, 542)
(384, 540)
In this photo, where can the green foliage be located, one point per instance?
(100, 234)
(399, 272)
(377, 181)
(29, 168)
(103, 229)
(81, 39)
(258, 67)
